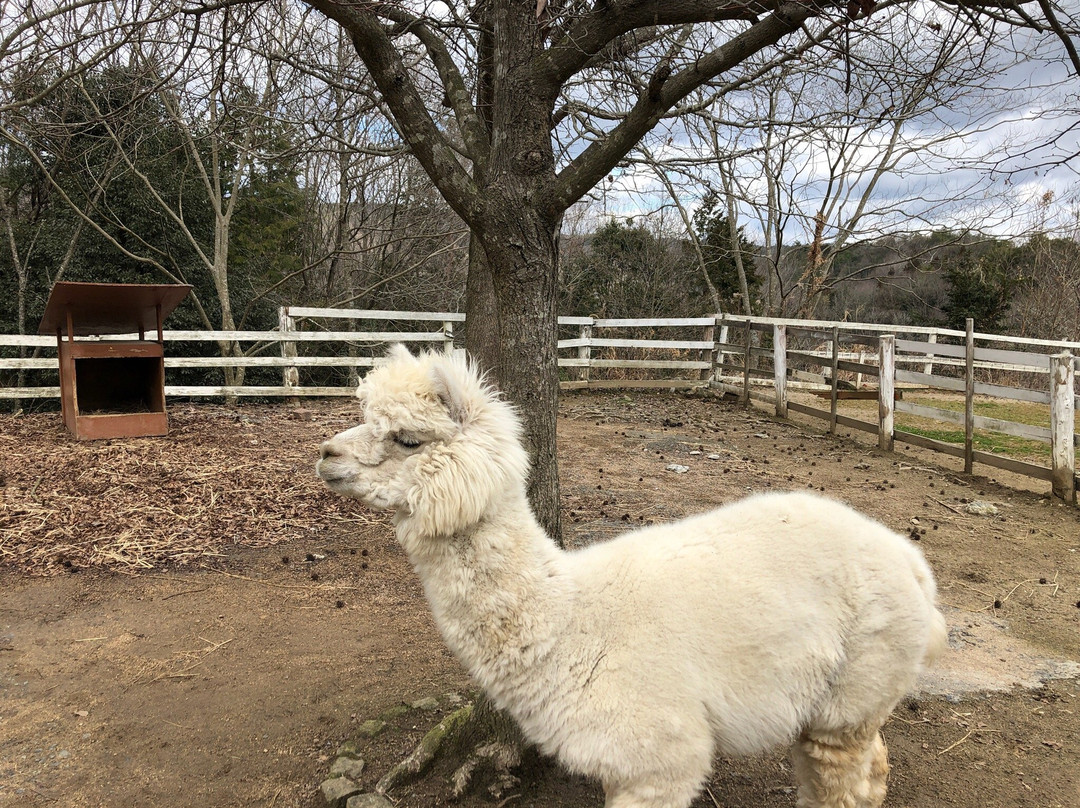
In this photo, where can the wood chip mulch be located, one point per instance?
(223, 477)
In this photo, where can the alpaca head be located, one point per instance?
(438, 446)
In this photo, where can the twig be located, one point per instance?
(970, 732)
(973, 589)
(947, 505)
(185, 592)
(953, 746)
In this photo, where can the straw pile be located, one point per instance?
(222, 478)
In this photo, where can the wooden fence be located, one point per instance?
(757, 358)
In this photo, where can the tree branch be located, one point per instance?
(591, 33)
(472, 127)
(427, 143)
(597, 160)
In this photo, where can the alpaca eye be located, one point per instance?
(406, 443)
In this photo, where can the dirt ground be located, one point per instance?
(229, 674)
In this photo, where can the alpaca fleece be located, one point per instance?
(783, 619)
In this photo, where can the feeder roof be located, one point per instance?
(109, 308)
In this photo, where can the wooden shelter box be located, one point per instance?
(111, 388)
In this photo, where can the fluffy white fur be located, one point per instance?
(780, 619)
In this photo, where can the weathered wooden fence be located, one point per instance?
(756, 358)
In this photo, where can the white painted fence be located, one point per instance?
(757, 358)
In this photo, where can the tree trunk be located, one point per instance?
(481, 310)
(519, 238)
(523, 251)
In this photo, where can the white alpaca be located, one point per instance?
(780, 619)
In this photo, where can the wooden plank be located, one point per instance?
(584, 351)
(821, 361)
(853, 395)
(29, 392)
(796, 406)
(1015, 466)
(927, 349)
(1062, 418)
(1028, 431)
(780, 369)
(661, 322)
(823, 325)
(928, 443)
(290, 374)
(196, 391)
(934, 413)
(943, 382)
(747, 344)
(756, 324)
(292, 336)
(857, 367)
(29, 364)
(813, 333)
(860, 339)
(803, 376)
(1013, 393)
(1005, 357)
(645, 344)
(267, 361)
(642, 384)
(969, 395)
(855, 423)
(26, 341)
(737, 390)
(833, 378)
(653, 363)
(1053, 346)
(222, 361)
(737, 348)
(248, 390)
(374, 314)
(708, 334)
(887, 393)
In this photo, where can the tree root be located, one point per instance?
(482, 745)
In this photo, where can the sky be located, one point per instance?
(998, 162)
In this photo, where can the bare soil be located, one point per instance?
(229, 672)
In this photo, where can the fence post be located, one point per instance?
(1062, 419)
(969, 396)
(886, 390)
(928, 368)
(448, 336)
(708, 334)
(290, 375)
(746, 364)
(723, 357)
(834, 362)
(584, 351)
(779, 348)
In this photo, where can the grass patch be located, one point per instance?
(994, 442)
(1021, 412)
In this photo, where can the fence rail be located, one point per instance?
(321, 352)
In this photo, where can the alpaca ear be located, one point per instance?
(451, 391)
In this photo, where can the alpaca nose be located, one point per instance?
(329, 449)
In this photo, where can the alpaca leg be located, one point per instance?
(846, 769)
(651, 795)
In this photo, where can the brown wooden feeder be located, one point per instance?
(111, 388)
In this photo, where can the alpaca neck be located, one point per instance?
(497, 590)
